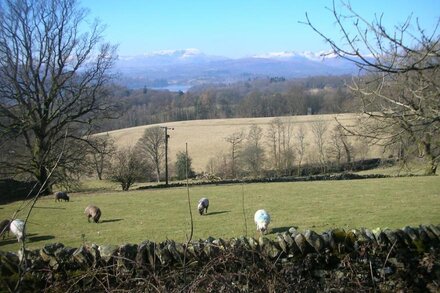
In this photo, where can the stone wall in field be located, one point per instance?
(219, 181)
(378, 259)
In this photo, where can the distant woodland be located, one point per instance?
(262, 97)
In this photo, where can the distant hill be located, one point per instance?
(190, 67)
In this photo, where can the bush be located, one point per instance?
(183, 162)
(128, 168)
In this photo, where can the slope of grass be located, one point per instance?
(413, 168)
(131, 217)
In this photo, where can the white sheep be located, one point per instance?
(203, 205)
(262, 220)
(17, 228)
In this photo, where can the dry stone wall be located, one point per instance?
(382, 259)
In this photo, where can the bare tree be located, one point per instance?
(235, 139)
(300, 147)
(218, 165)
(280, 141)
(127, 168)
(339, 146)
(151, 146)
(288, 153)
(52, 80)
(253, 155)
(273, 137)
(102, 149)
(319, 129)
(211, 166)
(344, 138)
(335, 147)
(400, 82)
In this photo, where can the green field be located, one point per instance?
(134, 216)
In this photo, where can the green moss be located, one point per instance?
(420, 247)
(339, 235)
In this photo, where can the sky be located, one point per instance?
(239, 28)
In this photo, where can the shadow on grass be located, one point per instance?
(48, 208)
(110, 221)
(40, 238)
(216, 213)
(30, 238)
(8, 241)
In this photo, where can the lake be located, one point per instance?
(174, 87)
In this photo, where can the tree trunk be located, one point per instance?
(157, 174)
(299, 168)
(42, 174)
(431, 167)
(347, 151)
(43, 180)
(431, 162)
(99, 164)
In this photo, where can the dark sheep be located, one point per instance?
(203, 205)
(61, 195)
(93, 212)
(4, 227)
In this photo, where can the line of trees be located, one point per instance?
(263, 97)
(281, 150)
(284, 149)
(143, 162)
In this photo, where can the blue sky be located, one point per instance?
(237, 28)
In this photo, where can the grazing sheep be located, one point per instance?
(61, 195)
(203, 205)
(4, 227)
(262, 220)
(17, 228)
(92, 212)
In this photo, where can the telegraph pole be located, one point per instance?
(166, 152)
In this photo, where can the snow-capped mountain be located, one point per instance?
(191, 67)
(286, 55)
(166, 58)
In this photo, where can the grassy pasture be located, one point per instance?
(134, 216)
(206, 138)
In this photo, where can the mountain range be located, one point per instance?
(190, 67)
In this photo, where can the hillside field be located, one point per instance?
(206, 138)
(157, 215)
